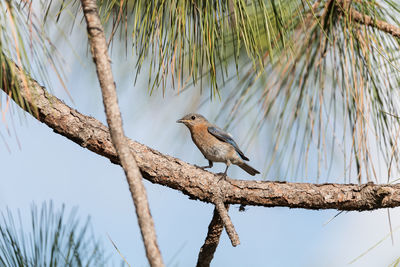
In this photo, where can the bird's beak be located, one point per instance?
(180, 121)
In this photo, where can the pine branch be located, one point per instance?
(197, 183)
(211, 242)
(226, 221)
(367, 20)
(102, 61)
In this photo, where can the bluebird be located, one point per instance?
(215, 144)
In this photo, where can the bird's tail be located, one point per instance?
(250, 170)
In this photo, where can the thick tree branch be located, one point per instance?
(102, 61)
(211, 242)
(194, 182)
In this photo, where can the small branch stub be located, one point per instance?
(226, 220)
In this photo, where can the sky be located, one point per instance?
(47, 166)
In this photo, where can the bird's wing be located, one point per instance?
(225, 137)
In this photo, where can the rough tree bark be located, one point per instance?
(207, 251)
(102, 61)
(226, 221)
(194, 182)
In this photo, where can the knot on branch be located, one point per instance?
(382, 193)
(375, 196)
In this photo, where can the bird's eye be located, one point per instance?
(193, 117)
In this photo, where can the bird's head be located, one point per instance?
(192, 119)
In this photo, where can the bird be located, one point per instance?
(215, 144)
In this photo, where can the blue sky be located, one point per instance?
(50, 167)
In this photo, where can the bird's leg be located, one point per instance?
(226, 170)
(210, 164)
(224, 174)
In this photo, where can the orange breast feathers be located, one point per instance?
(201, 137)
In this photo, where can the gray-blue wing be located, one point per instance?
(225, 137)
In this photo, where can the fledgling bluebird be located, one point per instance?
(215, 144)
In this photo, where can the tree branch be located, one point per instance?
(194, 182)
(226, 220)
(367, 20)
(211, 242)
(102, 61)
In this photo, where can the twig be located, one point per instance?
(367, 20)
(376, 23)
(103, 67)
(226, 220)
(211, 242)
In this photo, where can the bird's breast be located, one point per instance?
(212, 148)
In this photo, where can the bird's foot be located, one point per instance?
(222, 175)
(202, 167)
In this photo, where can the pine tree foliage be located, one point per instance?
(324, 74)
(49, 237)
